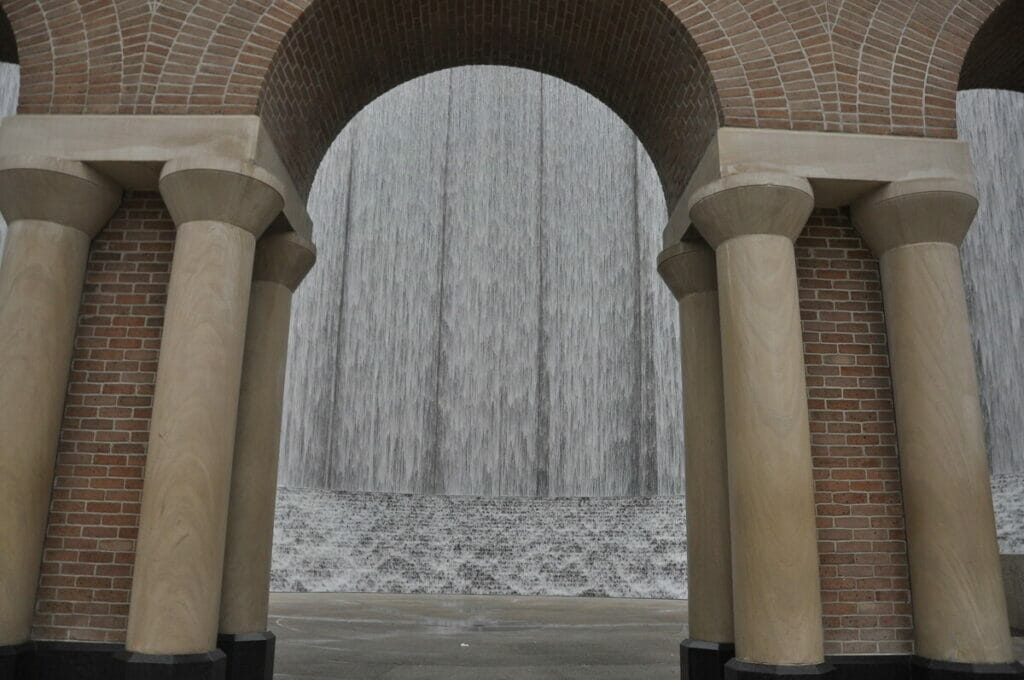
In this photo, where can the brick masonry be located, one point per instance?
(90, 541)
(86, 577)
(862, 548)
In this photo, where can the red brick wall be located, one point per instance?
(90, 545)
(84, 588)
(861, 539)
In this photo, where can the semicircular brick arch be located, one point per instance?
(636, 56)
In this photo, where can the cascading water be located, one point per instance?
(992, 122)
(485, 317)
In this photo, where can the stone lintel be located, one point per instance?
(132, 150)
(841, 167)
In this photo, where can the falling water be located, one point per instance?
(992, 122)
(484, 317)
(9, 80)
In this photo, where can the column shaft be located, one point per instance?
(176, 589)
(40, 287)
(244, 599)
(960, 620)
(688, 269)
(282, 260)
(959, 605)
(54, 208)
(221, 206)
(709, 556)
(771, 486)
(752, 220)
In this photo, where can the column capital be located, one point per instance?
(283, 258)
(688, 267)
(933, 210)
(216, 189)
(751, 203)
(69, 193)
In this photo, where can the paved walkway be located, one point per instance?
(429, 637)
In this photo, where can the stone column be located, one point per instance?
(751, 221)
(282, 261)
(221, 207)
(54, 208)
(688, 269)
(960, 619)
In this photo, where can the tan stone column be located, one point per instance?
(53, 208)
(751, 221)
(915, 228)
(220, 207)
(282, 261)
(688, 269)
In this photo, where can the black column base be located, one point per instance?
(744, 670)
(250, 656)
(931, 669)
(871, 666)
(205, 666)
(14, 660)
(703, 660)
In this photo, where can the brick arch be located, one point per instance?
(634, 55)
(995, 58)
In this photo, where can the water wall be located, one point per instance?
(485, 317)
(992, 122)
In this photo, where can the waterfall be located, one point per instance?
(992, 122)
(485, 317)
(9, 80)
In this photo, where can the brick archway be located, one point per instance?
(637, 57)
(995, 59)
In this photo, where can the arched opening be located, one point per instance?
(636, 57)
(484, 329)
(990, 116)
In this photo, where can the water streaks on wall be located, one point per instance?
(992, 122)
(485, 317)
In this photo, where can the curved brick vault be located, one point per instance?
(632, 54)
(673, 69)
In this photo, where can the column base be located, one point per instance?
(871, 666)
(250, 656)
(744, 670)
(703, 660)
(205, 666)
(932, 669)
(14, 660)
